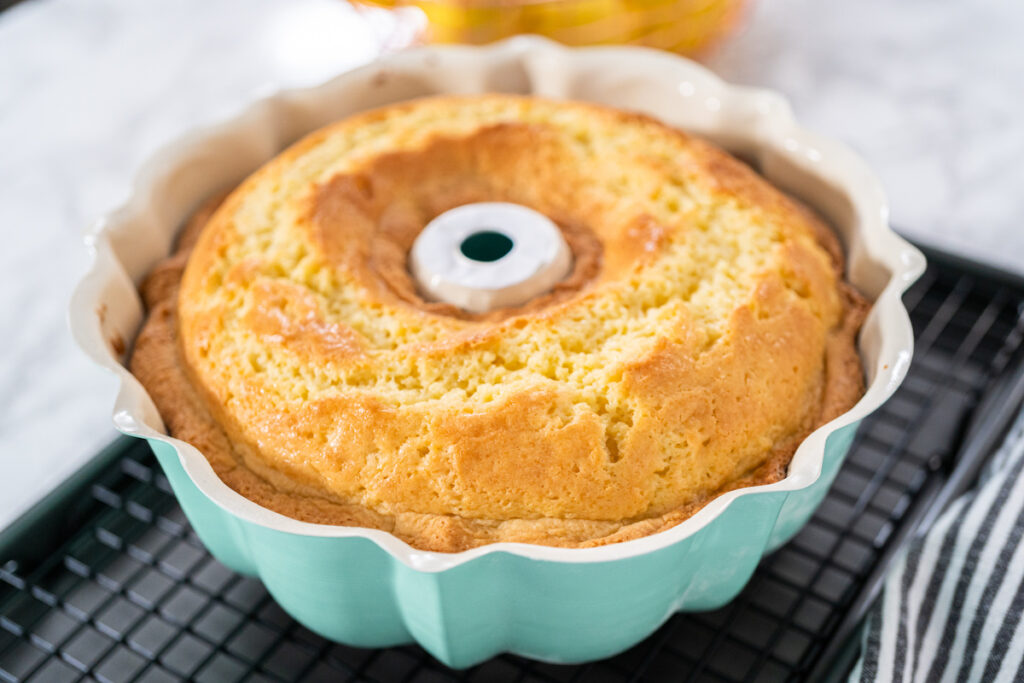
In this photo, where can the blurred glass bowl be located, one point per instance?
(684, 26)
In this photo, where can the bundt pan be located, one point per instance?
(367, 588)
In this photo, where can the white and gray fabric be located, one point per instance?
(952, 603)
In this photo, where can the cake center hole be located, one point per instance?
(486, 246)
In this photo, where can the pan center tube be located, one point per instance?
(489, 255)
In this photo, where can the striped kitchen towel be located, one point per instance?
(952, 603)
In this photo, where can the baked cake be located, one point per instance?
(703, 331)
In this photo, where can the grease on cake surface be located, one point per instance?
(704, 330)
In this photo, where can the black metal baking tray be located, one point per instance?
(106, 581)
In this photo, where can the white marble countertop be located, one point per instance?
(931, 93)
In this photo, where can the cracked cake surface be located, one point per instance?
(704, 330)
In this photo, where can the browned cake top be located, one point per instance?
(703, 331)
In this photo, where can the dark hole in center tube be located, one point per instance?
(486, 246)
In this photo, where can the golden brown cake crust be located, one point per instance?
(704, 331)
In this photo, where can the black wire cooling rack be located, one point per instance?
(107, 581)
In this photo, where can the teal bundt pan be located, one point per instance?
(366, 588)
